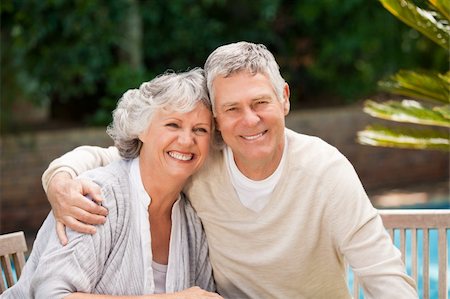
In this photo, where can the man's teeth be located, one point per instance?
(253, 137)
(180, 156)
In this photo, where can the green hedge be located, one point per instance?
(80, 56)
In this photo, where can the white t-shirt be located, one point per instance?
(159, 276)
(254, 195)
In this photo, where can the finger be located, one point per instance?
(97, 197)
(79, 226)
(213, 295)
(91, 188)
(87, 217)
(93, 191)
(88, 206)
(61, 233)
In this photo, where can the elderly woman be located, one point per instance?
(152, 241)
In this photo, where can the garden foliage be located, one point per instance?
(427, 93)
(78, 57)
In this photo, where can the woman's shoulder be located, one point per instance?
(104, 175)
(114, 183)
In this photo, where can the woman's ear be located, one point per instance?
(141, 136)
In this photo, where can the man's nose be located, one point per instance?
(250, 117)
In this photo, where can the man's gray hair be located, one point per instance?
(243, 56)
(177, 92)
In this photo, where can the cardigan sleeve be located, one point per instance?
(359, 234)
(79, 265)
(201, 266)
(79, 160)
(75, 267)
(204, 277)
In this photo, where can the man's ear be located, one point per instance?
(286, 102)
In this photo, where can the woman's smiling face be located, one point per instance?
(176, 143)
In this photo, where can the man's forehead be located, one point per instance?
(244, 75)
(226, 100)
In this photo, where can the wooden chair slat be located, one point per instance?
(12, 249)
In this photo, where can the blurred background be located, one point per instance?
(64, 65)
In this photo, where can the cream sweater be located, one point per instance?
(318, 215)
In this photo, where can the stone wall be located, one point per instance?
(24, 157)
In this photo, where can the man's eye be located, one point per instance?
(231, 109)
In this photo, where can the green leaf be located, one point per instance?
(404, 138)
(430, 86)
(430, 23)
(408, 111)
(443, 6)
(444, 110)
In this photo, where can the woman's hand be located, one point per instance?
(70, 206)
(191, 293)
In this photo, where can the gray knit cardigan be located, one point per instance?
(110, 261)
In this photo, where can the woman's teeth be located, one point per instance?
(180, 156)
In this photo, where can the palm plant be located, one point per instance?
(428, 92)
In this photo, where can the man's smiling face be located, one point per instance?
(250, 117)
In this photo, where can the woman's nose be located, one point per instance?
(186, 137)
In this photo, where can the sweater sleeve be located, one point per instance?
(359, 234)
(75, 267)
(79, 160)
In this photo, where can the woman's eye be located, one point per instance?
(172, 125)
(200, 130)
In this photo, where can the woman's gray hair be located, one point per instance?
(178, 92)
(243, 56)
